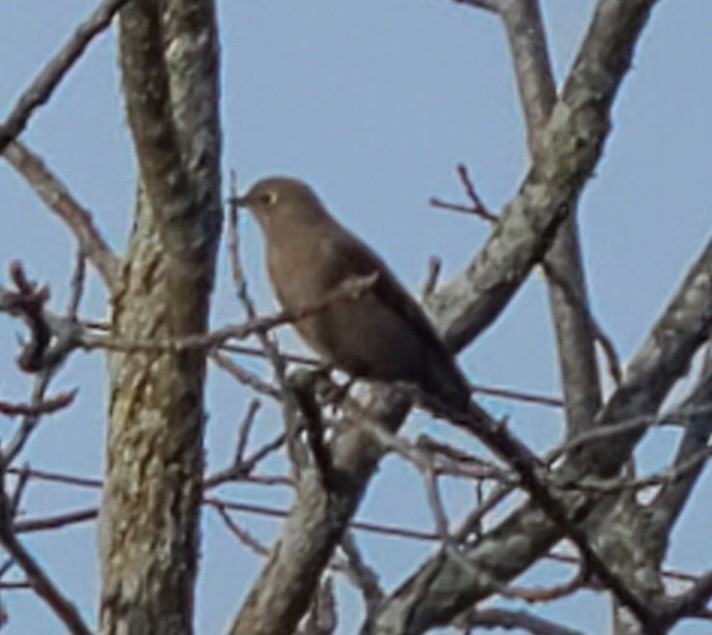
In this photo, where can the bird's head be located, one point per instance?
(280, 201)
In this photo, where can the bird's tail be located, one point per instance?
(447, 384)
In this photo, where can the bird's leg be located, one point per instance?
(329, 391)
(340, 392)
(304, 386)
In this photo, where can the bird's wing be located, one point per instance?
(442, 378)
(356, 258)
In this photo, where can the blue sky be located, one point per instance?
(374, 103)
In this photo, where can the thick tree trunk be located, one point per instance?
(154, 464)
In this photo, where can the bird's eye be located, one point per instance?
(268, 198)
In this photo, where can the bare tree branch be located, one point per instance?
(362, 575)
(468, 304)
(575, 328)
(520, 620)
(488, 5)
(693, 602)
(57, 521)
(696, 411)
(46, 406)
(42, 87)
(36, 576)
(241, 534)
(441, 588)
(57, 198)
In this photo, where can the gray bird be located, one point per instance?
(382, 334)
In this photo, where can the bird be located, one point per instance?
(382, 334)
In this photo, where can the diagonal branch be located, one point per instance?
(57, 198)
(574, 327)
(173, 125)
(696, 413)
(42, 87)
(48, 405)
(523, 621)
(39, 581)
(493, 6)
(693, 602)
(570, 146)
(442, 587)
(164, 175)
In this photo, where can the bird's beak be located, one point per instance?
(241, 201)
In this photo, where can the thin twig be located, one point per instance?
(446, 460)
(574, 298)
(522, 621)
(240, 282)
(493, 6)
(52, 338)
(363, 576)
(241, 534)
(44, 406)
(27, 301)
(261, 453)
(349, 291)
(55, 522)
(23, 477)
(244, 430)
(359, 525)
(36, 576)
(435, 502)
(434, 267)
(59, 477)
(244, 376)
(476, 207)
(70, 518)
(549, 593)
(471, 527)
(518, 395)
(29, 422)
(255, 351)
(247, 465)
(77, 285)
(251, 380)
(490, 391)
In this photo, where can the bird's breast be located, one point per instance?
(299, 272)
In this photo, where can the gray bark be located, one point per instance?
(149, 542)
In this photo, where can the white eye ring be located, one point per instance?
(268, 198)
